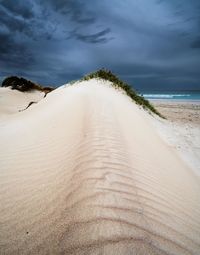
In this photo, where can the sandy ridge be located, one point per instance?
(84, 172)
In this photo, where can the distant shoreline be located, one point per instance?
(174, 100)
(183, 96)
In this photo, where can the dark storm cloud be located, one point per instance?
(151, 44)
(99, 37)
(21, 8)
(6, 48)
(22, 21)
(76, 10)
(13, 24)
(196, 43)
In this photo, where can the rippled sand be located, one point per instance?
(84, 171)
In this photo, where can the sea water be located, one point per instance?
(190, 96)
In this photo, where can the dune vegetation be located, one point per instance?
(117, 83)
(23, 85)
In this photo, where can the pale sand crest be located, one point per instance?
(84, 172)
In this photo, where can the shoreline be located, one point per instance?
(163, 100)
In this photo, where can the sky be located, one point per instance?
(151, 44)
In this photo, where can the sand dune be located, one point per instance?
(83, 171)
(13, 101)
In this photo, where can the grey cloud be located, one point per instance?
(42, 40)
(21, 8)
(196, 44)
(34, 28)
(11, 51)
(99, 37)
(76, 10)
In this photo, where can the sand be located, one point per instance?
(179, 111)
(84, 171)
(181, 130)
(13, 101)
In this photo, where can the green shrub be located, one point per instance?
(108, 75)
(22, 85)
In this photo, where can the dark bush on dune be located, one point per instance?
(17, 83)
(48, 88)
(108, 75)
(22, 84)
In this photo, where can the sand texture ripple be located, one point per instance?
(84, 171)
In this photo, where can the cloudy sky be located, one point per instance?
(152, 44)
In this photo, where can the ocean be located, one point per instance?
(190, 96)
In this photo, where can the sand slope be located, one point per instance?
(13, 101)
(84, 172)
(181, 130)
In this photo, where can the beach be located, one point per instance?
(181, 130)
(85, 170)
(179, 111)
